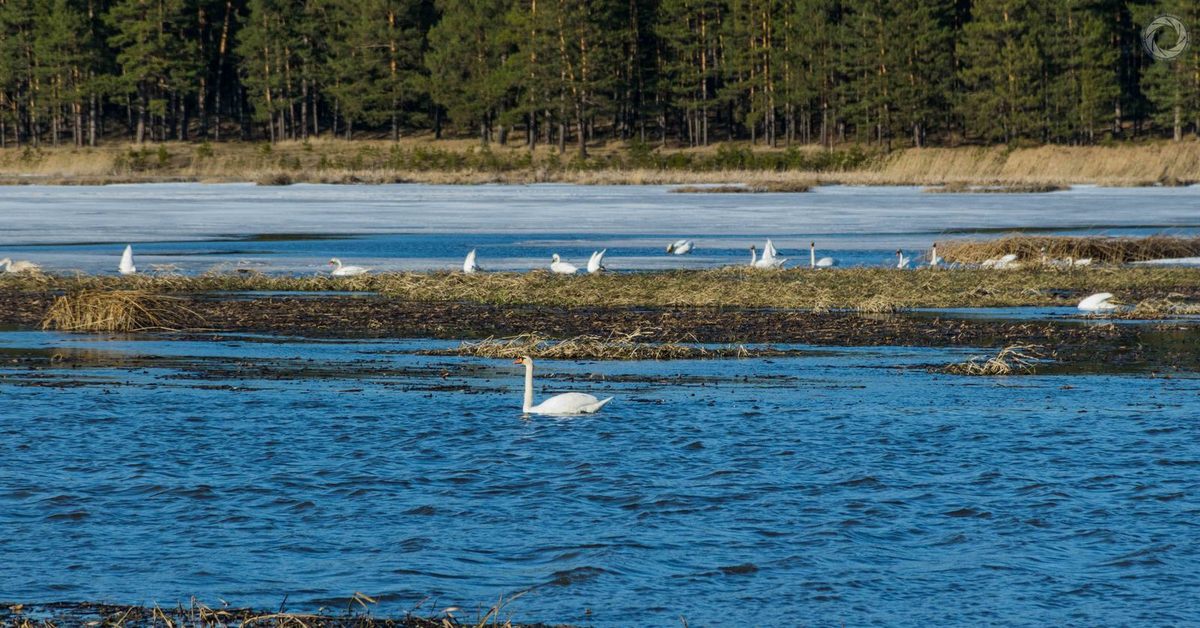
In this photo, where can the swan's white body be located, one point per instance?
(596, 262)
(681, 247)
(1098, 303)
(560, 267)
(901, 261)
(770, 258)
(813, 262)
(469, 265)
(126, 266)
(564, 404)
(19, 266)
(345, 271)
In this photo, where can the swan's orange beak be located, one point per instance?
(519, 361)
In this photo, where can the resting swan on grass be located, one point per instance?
(19, 266)
(564, 404)
(345, 271)
(559, 267)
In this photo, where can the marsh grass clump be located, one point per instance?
(1100, 250)
(1011, 360)
(274, 178)
(617, 346)
(1164, 307)
(118, 311)
(960, 187)
(754, 188)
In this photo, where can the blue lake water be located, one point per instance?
(194, 228)
(841, 486)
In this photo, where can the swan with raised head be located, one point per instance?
(560, 267)
(681, 247)
(126, 266)
(469, 265)
(1099, 302)
(564, 404)
(813, 262)
(901, 261)
(19, 266)
(596, 262)
(345, 271)
(934, 260)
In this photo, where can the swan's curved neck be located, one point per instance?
(528, 387)
(812, 256)
(753, 256)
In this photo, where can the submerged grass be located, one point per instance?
(199, 615)
(117, 311)
(858, 289)
(1099, 249)
(1011, 360)
(617, 346)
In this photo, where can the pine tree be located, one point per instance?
(466, 61)
(1002, 70)
(158, 62)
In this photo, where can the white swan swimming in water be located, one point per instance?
(901, 261)
(345, 271)
(564, 404)
(19, 266)
(1099, 302)
(469, 265)
(596, 262)
(681, 247)
(126, 266)
(813, 262)
(770, 258)
(560, 267)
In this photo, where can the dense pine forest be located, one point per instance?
(569, 72)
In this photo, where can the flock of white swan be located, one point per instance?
(574, 403)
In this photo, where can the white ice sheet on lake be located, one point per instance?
(172, 212)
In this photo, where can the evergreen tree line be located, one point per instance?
(565, 72)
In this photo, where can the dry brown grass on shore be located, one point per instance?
(617, 346)
(366, 161)
(859, 289)
(1011, 360)
(117, 311)
(1100, 250)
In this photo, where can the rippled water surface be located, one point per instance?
(847, 485)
